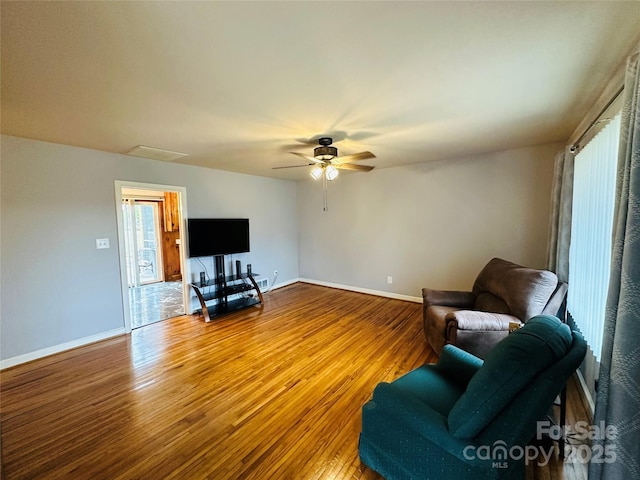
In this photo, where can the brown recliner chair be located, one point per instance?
(505, 295)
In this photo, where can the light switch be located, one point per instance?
(102, 243)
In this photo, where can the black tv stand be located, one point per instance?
(221, 287)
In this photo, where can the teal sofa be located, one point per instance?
(431, 422)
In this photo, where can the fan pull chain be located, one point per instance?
(324, 192)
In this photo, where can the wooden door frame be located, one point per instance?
(185, 267)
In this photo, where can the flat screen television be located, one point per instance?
(217, 236)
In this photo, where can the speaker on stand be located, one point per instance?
(221, 283)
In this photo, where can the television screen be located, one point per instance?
(218, 236)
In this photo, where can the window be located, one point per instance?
(591, 230)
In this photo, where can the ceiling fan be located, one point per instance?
(327, 163)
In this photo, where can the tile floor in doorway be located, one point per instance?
(155, 302)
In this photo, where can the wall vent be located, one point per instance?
(155, 153)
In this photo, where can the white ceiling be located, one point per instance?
(236, 85)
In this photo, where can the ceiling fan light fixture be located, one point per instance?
(317, 172)
(325, 166)
(325, 152)
(331, 172)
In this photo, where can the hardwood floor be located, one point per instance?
(571, 468)
(260, 394)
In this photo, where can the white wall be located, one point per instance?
(428, 225)
(56, 200)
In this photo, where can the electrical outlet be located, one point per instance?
(102, 243)
(275, 273)
(389, 279)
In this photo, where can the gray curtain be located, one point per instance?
(618, 397)
(560, 232)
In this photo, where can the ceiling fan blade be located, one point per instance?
(355, 157)
(307, 157)
(351, 166)
(292, 146)
(293, 166)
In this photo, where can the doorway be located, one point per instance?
(150, 231)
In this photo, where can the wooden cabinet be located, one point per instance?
(171, 212)
(171, 256)
(170, 236)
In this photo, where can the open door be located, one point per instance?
(142, 233)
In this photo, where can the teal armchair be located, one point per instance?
(430, 423)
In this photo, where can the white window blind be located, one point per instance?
(591, 230)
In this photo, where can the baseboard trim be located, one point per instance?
(45, 352)
(378, 293)
(585, 393)
(276, 286)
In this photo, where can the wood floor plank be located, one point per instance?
(263, 393)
